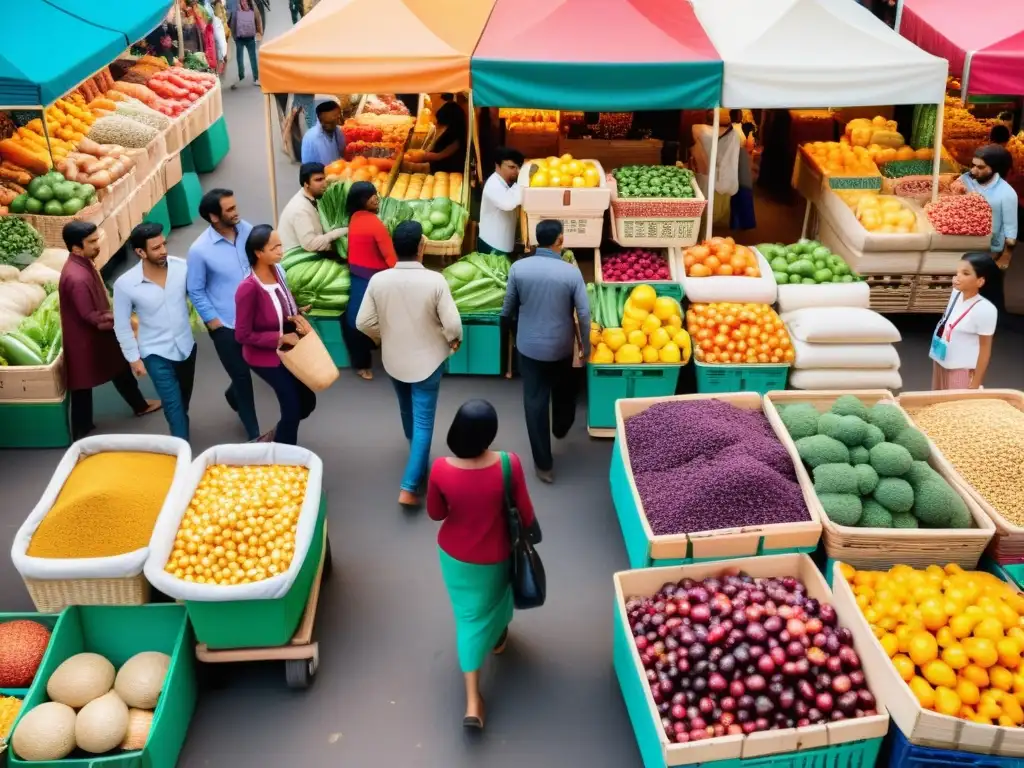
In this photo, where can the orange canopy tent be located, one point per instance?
(376, 46)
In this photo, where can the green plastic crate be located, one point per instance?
(183, 200)
(187, 164)
(211, 146)
(608, 383)
(761, 378)
(1010, 573)
(159, 214)
(855, 182)
(854, 754)
(35, 423)
(118, 632)
(329, 329)
(260, 623)
(48, 620)
(480, 352)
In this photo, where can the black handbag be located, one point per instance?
(529, 583)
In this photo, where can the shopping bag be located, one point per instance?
(310, 362)
(529, 581)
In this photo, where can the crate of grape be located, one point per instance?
(655, 205)
(241, 547)
(744, 663)
(632, 266)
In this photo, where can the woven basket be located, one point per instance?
(56, 595)
(890, 293)
(51, 228)
(931, 293)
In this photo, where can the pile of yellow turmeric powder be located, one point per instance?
(107, 507)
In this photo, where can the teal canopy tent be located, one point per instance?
(132, 18)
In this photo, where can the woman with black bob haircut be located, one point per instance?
(267, 319)
(466, 493)
(962, 345)
(370, 251)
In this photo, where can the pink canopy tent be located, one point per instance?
(983, 42)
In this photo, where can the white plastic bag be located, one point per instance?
(162, 543)
(793, 296)
(119, 567)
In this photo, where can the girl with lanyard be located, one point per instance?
(962, 345)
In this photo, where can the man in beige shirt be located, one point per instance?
(300, 225)
(410, 311)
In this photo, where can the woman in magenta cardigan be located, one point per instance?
(266, 320)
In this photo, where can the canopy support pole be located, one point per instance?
(807, 221)
(181, 32)
(270, 154)
(474, 139)
(937, 160)
(46, 135)
(712, 167)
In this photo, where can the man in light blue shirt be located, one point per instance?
(984, 178)
(544, 291)
(217, 264)
(154, 290)
(325, 142)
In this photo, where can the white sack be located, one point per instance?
(845, 379)
(793, 296)
(740, 290)
(121, 566)
(849, 356)
(162, 543)
(840, 325)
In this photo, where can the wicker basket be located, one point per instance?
(51, 228)
(1008, 543)
(56, 595)
(885, 547)
(931, 293)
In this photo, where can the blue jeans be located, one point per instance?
(172, 380)
(417, 403)
(241, 46)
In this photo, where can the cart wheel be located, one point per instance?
(299, 673)
(328, 560)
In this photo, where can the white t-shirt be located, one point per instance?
(275, 296)
(498, 213)
(968, 320)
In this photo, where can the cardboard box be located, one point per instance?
(33, 382)
(172, 171)
(174, 136)
(630, 671)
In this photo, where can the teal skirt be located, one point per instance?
(481, 598)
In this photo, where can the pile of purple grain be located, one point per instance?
(705, 465)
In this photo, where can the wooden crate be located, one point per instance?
(884, 547)
(33, 382)
(614, 153)
(1008, 542)
(718, 544)
(931, 293)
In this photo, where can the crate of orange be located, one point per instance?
(948, 644)
(380, 172)
(739, 347)
(720, 269)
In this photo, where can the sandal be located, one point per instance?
(475, 722)
(502, 643)
(365, 374)
(152, 406)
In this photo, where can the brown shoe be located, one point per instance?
(409, 499)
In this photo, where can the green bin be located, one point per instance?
(480, 351)
(329, 330)
(118, 632)
(35, 423)
(211, 146)
(159, 214)
(260, 623)
(607, 383)
(721, 377)
(183, 200)
(48, 620)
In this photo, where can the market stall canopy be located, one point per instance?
(815, 53)
(36, 68)
(596, 55)
(984, 44)
(376, 46)
(132, 18)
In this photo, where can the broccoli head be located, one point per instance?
(874, 516)
(822, 449)
(919, 472)
(826, 422)
(849, 430)
(867, 480)
(895, 494)
(873, 437)
(935, 503)
(801, 420)
(888, 418)
(905, 520)
(890, 460)
(915, 442)
(835, 478)
(859, 455)
(841, 508)
(849, 405)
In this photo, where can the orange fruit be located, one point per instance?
(955, 656)
(945, 637)
(1001, 677)
(946, 701)
(968, 692)
(923, 648)
(1009, 650)
(982, 651)
(923, 692)
(933, 615)
(904, 666)
(962, 625)
(890, 643)
(976, 675)
(989, 628)
(939, 673)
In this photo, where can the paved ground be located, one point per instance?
(389, 691)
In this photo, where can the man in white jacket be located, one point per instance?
(501, 197)
(300, 224)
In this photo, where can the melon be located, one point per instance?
(47, 732)
(139, 723)
(141, 678)
(102, 724)
(80, 679)
(22, 645)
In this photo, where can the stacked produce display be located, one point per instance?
(665, 181)
(35, 338)
(636, 326)
(478, 282)
(747, 334)
(635, 265)
(721, 257)
(806, 263)
(564, 171)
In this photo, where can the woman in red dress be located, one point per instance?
(466, 493)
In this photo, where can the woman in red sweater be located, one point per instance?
(370, 251)
(466, 493)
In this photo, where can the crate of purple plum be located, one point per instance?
(632, 266)
(744, 664)
(706, 477)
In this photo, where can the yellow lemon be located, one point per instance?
(669, 353)
(890, 643)
(650, 354)
(595, 338)
(614, 338)
(665, 307)
(946, 701)
(923, 692)
(968, 692)
(630, 324)
(566, 158)
(554, 178)
(976, 675)
(603, 356)
(982, 651)
(659, 338)
(1001, 678)
(989, 629)
(650, 324)
(904, 666)
(578, 182)
(945, 637)
(1009, 650)
(637, 313)
(675, 321)
(955, 656)
(644, 297)
(540, 179)
(628, 354)
(939, 673)
(637, 338)
(923, 648)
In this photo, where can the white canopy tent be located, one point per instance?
(782, 54)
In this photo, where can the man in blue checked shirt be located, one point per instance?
(216, 265)
(325, 142)
(154, 290)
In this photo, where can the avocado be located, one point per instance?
(63, 191)
(43, 193)
(86, 191)
(36, 183)
(72, 206)
(53, 208)
(32, 205)
(18, 204)
(54, 177)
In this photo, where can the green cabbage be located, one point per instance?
(317, 282)
(478, 282)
